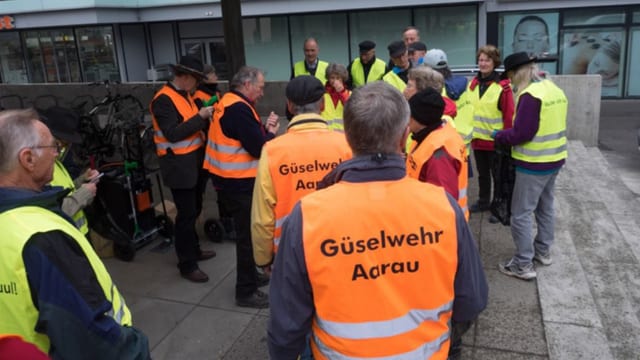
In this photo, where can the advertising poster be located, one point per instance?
(536, 34)
(594, 51)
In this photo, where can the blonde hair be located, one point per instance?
(426, 77)
(525, 75)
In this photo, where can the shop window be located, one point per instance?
(97, 53)
(636, 16)
(598, 16)
(633, 85)
(534, 33)
(13, 69)
(379, 26)
(266, 46)
(454, 29)
(330, 30)
(595, 51)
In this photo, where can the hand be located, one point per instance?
(273, 123)
(206, 112)
(267, 270)
(493, 134)
(90, 175)
(92, 187)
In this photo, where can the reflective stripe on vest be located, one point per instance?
(187, 109)
(376, 72)
(486, 116)
(333, 113)
(321, 70)
(19, 313)
(394, 80)
(224, 156)
(550, 142)
(369, 266)
(295, 174)
(446, 137)
(62, 178)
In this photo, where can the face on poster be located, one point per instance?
(535, 34)
(594, 51)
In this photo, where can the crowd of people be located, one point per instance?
(320, 211)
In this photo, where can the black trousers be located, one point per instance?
(188, 206)
(484, 163)
(238, 204)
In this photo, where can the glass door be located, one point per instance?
(209, 51)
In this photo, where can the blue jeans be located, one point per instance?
(532, 195)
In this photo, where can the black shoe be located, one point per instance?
(493, 220)
(479, 207)
(257, 300)
(263, 279)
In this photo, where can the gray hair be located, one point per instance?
(246, 73)
(525, 75)
(17, 131)
(314, 107)
(375, 119)
(426, 77)
(337, 69)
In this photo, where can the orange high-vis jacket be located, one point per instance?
(224, 156)
(445, 136)
(297, 162)
(382, 279)
(187, 109)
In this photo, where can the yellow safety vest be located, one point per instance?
(62, 178)
(394, 80)
(464, 117)
(550, 142)
(375, 73)
(486, 116)
(333, 113)
(19, 314)
(321, 70)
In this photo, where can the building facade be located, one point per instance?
(93, 40)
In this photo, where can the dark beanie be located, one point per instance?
(366, 46)
(427, 107)
(304, 89)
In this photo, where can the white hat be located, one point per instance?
(436, 59)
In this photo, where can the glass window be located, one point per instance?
(453, 29)
(266, 46)
(534, 33)
(97, 53)
(633, 85)
(12, 67)
(66, 55)
(379, 26)
(598, 16)
(330, 30)
(595, 51)
(35, 63)
(636, 16)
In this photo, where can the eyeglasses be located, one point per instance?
(57, 146)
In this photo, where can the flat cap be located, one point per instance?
(397, 48)
(427, 106)
(366, 45)
(304, 89)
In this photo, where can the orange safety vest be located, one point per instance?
(297, 173)
(199, 94)
(447, 137)
(224, 156)
(187, 109)
(382, 281)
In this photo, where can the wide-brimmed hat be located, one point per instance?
(515, 60)
(190, 65)
(63, 124)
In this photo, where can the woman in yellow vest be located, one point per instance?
(539, 149)
(64, 126)
(336, 96)
(492, 102)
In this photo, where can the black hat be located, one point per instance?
(514, 61)
(397, 48)
(417, 46)
(190, 65)
(63, 124)
(427, 106)
(304, 89)
(366, 46)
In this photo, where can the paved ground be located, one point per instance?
(582, 307)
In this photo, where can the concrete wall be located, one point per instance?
(583, 92)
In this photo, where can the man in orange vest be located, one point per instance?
(291, 165)
(178, 125)
(438, 154)
(235, 141)
(376, 258)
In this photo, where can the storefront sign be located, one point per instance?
(7, 22)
